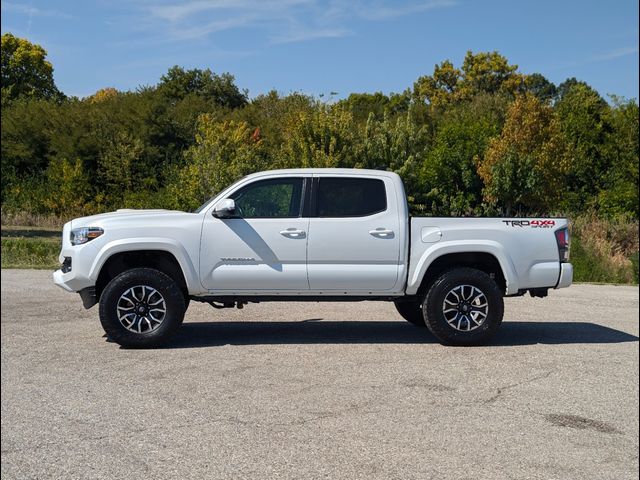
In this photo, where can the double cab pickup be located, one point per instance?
(309, 235)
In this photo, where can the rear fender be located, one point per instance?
(419, 268)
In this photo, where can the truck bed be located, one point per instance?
(537, 264)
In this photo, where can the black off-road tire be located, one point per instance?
(174, 305)
(434, 310)
(411, 312)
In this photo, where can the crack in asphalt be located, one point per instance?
(502, 390)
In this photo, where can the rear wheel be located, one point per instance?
(411, 312)
(141, 307)
(464, 306)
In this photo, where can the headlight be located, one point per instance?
(84, 234)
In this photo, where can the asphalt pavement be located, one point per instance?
(313, 390)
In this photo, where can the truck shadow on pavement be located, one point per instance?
(317, 331)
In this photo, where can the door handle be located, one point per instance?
(381, 232)
(293, 233)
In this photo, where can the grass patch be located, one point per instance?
(40, 249)
(589, 266)
(604, 251)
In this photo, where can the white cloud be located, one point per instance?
(205, 29)
(620, 52)
(181, 11)
(383, 12)
(31, 11)
(282, 21)
(304, 35)
(604, 57)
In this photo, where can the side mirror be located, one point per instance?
(225, 208)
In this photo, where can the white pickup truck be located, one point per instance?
(314, 235)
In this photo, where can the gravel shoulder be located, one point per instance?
(312, 390)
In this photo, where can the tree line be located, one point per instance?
(479, 139)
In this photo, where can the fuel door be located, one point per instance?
(430, 234)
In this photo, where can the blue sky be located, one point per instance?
(318, 47)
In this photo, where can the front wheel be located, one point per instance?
(464, 306)
(141, 307)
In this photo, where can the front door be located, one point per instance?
(263, 248)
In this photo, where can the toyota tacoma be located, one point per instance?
(309, 235)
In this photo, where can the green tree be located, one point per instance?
(361, 105)
(271, 113)
(483, 72)
(398, 145)
(25, 71)
(619, 195)
(224, 151)
(69, 187)
(25, 135)
(103, 94)
(177, 83)
(449, 174)
(489, 72)
(119, 170)
(523, 168)
(440, 88)
(566, 86)
(539, 86)
(324, 137)
(584, 119)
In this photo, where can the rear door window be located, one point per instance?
(350, 197)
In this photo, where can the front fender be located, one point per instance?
(421, 263)
(135, 244)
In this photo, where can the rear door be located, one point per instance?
(354, 234)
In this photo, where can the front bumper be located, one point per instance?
(58, 279)
(566, 275)
(87, 294)
(75, 274)
(72, 281)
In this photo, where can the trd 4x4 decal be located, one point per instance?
(531, 223)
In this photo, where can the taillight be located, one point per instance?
(562, 238)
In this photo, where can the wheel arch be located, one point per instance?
(121, 261)
(484, 257)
